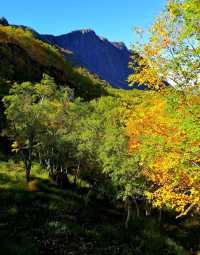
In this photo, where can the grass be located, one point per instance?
(41, 218)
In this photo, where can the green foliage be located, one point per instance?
(31, 110)
(114, 143)
(172, 53)
(43, 52)
(87, 85)
(25, 58)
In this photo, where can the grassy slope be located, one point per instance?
(43, 219)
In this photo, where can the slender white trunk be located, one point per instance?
(129, 214)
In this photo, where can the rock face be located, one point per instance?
(109, 60)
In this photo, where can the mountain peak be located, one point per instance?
(84, 31)
(3, 21)
(109, 60)
(87, 31)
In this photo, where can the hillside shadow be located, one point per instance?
(45, 219)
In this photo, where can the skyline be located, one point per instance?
(113, 20)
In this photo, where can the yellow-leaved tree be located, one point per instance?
(164, 135)
(172, 53)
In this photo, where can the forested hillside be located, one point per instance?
(88, 169)
(25, 58)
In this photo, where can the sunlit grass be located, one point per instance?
(12, 175)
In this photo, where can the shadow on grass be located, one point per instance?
(25, 214)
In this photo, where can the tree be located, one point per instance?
(126, 183)
(172, 53)
(164, 128)
(164, 135)
(31, 111)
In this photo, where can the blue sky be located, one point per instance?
(113, 19)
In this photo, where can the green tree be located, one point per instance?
(117, 163)
(31, 110)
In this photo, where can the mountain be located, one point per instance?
(109, 60)
(82, 48)
(3, 21)
(25, 58)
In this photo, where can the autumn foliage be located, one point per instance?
(172, 53)
(164, 133)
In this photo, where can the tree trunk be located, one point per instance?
(87, 198)
(27, 175)
(40, 158)
(76, 174)
(137, 208)
(30, 153)
(26, 166)
(27, 160)
(148, 209)
(129, 213)
(160, 215)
